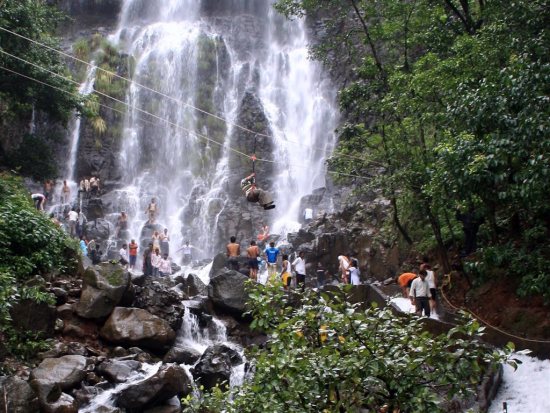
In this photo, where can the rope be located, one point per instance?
(132, 82)
(487, 323)
(168, 122)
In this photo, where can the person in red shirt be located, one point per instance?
(132, 249)
(405, 280)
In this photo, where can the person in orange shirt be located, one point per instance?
(405, 280)
(132, 249)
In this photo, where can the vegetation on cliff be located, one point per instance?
(327, 355)
(30, 245)
(448, 109)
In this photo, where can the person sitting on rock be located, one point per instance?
(255, 194)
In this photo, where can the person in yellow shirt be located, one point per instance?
(286, 273)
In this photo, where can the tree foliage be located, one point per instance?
(326, 355)
(30, 245)
(450, 100)
(35, 19)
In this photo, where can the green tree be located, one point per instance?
(35, 19)
(326, 355)
(448, 106)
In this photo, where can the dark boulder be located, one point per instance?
(17, 396)
(66, 372)
(169, 381)
(134, 326)
(118, 371)
(104, 287)
(215, 365)
(227, 292)
(28, 315)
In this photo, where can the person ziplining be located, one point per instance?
(251, 191)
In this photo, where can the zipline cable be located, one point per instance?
(132, 82)
(166, 121)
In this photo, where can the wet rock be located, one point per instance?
(98, 230)
(17, 396)
(226, 291)
(104, 287)
(169, 381)
(192, 285)
(214, 367)
(61, 295)
(219, 263)
(28, 315)
(94, 209)
(181, 353)
(158, 298)
(86, 393)
(301, 237)
(118, 371)
(66, 371)
(135, 326)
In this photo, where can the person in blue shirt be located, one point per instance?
(271, 254)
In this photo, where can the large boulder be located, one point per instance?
(28, 315)
(66, 372)
(52, 399)
(99, 230)
(17, 396)
(157, 297)
(226, 291)
(218, 264)
(215, 365)
(103, 287)
(134, 326)
(182, 353)
(169, 381)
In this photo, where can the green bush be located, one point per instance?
(326, 355)
(30, 244)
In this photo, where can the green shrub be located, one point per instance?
(30, 244)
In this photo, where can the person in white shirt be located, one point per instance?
(73, 217)
(420, 294)
(165, 266)
(39, 201)
(432, 282)
(187, 257)
(124, 256)
(354, 273)
(299, 265)
(155, 261)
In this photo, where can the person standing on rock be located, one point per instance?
(187, 255)
(80, 228)
(156, 240)
(420, 294)
(354, 273)
(286, 272)
(233, 254)
(343, 265)
(66, 193)
(147, 267)
(133, 249)
(321, 273)
(165, 266)
(299, 265)
(48, 186)
(83, 246)
(432, 282)
(122, 223)
(73, 219)
(253, 252)
(87, 187)
(94, 186)
(165, 242)
(152, 211)
(155, 261)
(271, 254)
(124, 257)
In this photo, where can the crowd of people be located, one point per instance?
(279, 265)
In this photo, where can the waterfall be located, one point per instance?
(197, 54)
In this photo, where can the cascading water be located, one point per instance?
(85, 88)
(197, 54)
